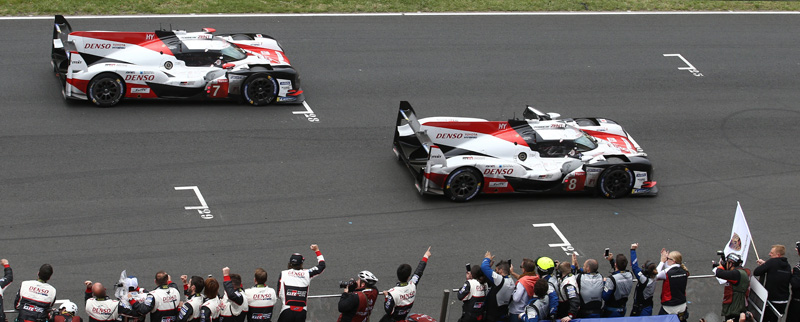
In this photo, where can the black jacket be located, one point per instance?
(8, 277)
(775, 274)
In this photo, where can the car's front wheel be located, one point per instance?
(260, 89)
(616, 182)
(463, 184)
(106, 89)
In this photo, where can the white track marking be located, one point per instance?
(308, 113)
(393, 14)
(565, 245)
(205, 213)
(689, 65)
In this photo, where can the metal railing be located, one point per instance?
(325, 307)
(711, 305)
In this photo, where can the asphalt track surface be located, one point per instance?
(92, 191)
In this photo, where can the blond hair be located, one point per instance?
(780, 249)
(678, 259)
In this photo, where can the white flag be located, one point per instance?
(740, 236)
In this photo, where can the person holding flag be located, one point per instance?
(775, 274)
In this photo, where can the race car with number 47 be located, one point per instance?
(106, 67)
(461, 157)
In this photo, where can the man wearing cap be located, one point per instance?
(358, 298)
(734, 298)
(35, 297)
(617, 287)
(293, 286)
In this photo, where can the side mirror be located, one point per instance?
(228, 65)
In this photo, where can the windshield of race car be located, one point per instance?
(555, 148)
(205, 52)
(585, 143)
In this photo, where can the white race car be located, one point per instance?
(107, 66)
(461, 157)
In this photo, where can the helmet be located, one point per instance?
(69, 306)
(734, 258)
(367, 277)
(131, 283)
(545, 265)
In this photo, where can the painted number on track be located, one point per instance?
(308, 113)
(205, 213)
(564, 244)
(688, 67)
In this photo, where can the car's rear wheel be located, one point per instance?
(106, 89)
(260, 89)
(616, 182)
(463, 184)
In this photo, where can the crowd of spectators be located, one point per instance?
(545, 289)
(548, 289)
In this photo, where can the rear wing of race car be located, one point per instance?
(407, 114)
(407, 125)
(61, 46)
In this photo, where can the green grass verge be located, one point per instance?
(106, 7)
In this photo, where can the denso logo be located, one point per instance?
(96, 46)
(170, 298)
(140, 77)
(297, 273)
(262, 297)
(449, 136)
(101, 310)
(499, 171)
(40, 291)
(407, 296)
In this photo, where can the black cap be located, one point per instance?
(296, 259)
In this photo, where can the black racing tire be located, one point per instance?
(616, 182)
(106, 89)
(463, 184)
(260, 89)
